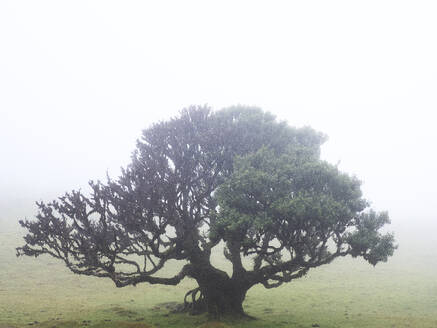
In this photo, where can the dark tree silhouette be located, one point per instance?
(235, 176)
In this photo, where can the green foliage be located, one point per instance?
(302, 203)
(367, 242)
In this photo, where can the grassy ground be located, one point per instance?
(347, 293)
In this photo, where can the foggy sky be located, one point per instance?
(80, 80)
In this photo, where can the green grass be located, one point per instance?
(347, 293)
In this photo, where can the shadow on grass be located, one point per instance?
(161, 316)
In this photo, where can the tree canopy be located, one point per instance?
(235, 176)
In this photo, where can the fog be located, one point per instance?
(80, 80)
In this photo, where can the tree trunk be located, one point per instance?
(222, 301)
(223, 296)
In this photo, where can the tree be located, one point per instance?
(235, 176)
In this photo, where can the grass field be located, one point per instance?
(347, 293)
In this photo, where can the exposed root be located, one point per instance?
(194, 301)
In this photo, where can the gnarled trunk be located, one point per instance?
(221, 295)
(218, 294)
(223, 299)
